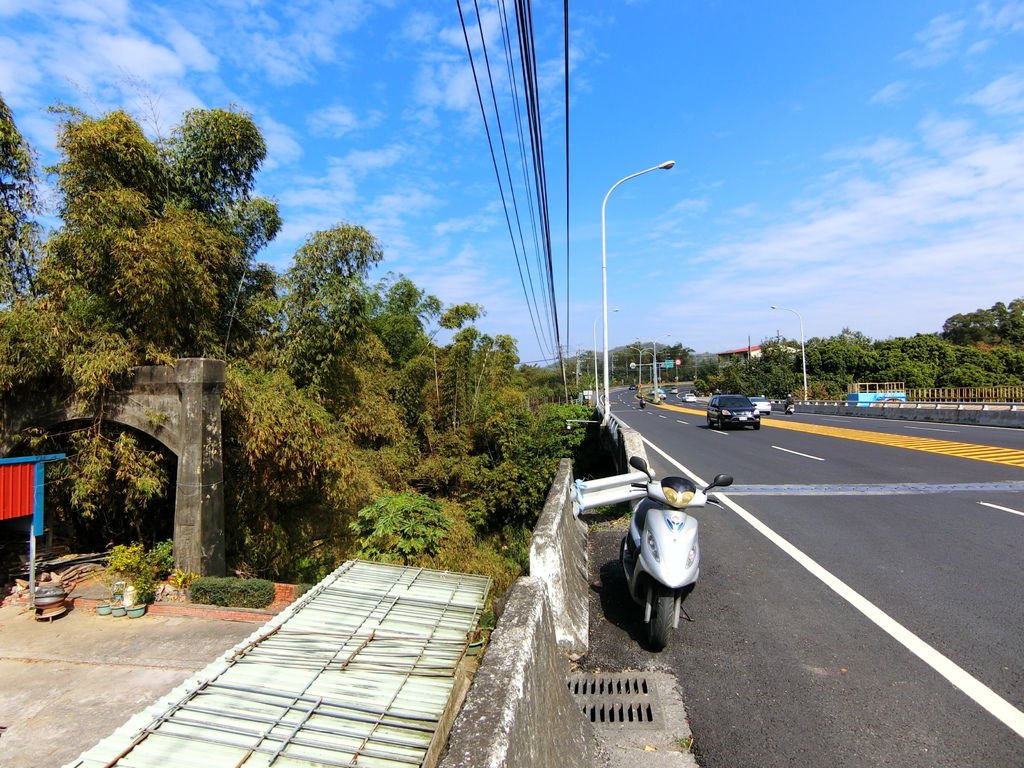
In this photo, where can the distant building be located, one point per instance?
(751, 353)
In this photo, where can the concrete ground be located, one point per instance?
(66, 684)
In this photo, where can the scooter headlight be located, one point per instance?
(652, 547)
(692, 555)
(678, 491)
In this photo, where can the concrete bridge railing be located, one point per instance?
(518, 712)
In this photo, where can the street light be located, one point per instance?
(803, 352)
(604, 279)
(597, 385)
(654, 372)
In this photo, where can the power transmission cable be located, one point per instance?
(565, 36)
(528, 60)
(514, 90)
(504, 150)
(497, 173)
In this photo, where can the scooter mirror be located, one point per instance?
(638, 462)
(720, 481)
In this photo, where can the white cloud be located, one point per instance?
(19, 71)
(419, 27)
(338, 120)
(881, 151)
(878, 254)
(364, 160)
(892, 93)
(1004, 96)
(283, 148)
(1007, 17)
(937, 42)
(475, 223)
(189, 48)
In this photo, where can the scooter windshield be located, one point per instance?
(678, 491)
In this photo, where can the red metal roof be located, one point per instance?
(17, 491)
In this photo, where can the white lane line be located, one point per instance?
(1002, 509)
(717, 432)
(932, 429)
(662, 416)
(984, 696)
(680, 421)
(797, 453)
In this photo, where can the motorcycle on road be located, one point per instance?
(660, 554)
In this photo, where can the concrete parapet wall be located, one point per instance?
(519, 712)
(980, 414)
(558, 557)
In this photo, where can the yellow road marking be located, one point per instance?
(990, 453)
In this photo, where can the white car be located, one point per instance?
(762, 405)
(690, 397)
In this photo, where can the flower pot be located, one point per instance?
(103, 609)
(118, 610)
(136, 611)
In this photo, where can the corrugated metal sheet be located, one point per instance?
(358, 672)
(17, 490)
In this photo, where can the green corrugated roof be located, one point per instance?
(357, 672)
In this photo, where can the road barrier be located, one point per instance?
(980, 414)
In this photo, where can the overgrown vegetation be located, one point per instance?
(348, 428)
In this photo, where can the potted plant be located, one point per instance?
(118, 609)
(136, 611)
(139, 569)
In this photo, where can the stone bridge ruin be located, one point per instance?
(179, 406)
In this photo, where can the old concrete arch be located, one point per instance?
(178, 405)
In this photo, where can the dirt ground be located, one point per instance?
(66, 684)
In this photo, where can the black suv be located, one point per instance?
(724, 410)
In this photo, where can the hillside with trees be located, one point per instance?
(348, 429)
(980, 349)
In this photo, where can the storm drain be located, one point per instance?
(616, 699)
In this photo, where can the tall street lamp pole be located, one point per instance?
(604, 279)
(654, 372)
(803, 351)
(597, 384)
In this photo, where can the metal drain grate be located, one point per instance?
(616, 699)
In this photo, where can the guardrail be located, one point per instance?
(982, 414)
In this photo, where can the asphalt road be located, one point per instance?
(904, 650)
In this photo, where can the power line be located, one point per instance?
(497, 173)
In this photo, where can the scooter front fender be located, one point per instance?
(664, 553)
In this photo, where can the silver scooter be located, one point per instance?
(660, 555)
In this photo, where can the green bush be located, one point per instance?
(232, 592)
(132, 563)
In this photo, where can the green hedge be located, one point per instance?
(232, 592)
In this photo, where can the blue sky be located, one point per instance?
(860, 163)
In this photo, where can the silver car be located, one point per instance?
(762, 405)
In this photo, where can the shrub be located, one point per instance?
(133, 564)
(400, 528)
(232, 592)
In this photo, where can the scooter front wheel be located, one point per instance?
(662, 613)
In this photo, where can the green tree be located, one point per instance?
(399, 315)
(19, 205)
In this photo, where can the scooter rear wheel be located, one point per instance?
(662, 613)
